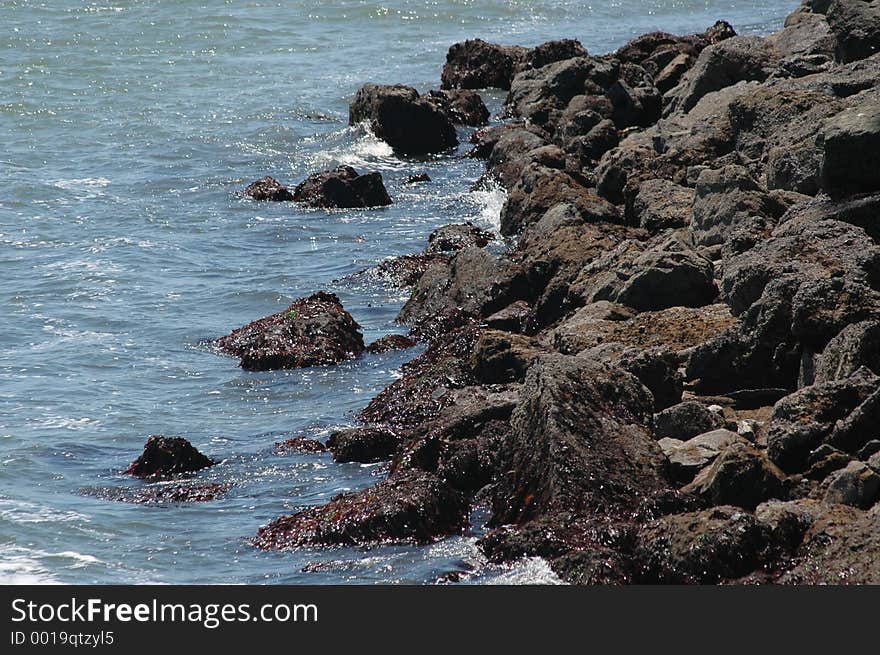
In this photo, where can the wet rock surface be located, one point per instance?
(167, 457)
(342, 187)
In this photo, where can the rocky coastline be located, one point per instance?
(672, 372)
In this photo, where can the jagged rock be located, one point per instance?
(857, 429)
(595, 143)
(553, 51)
(857, 485)
(313, 331)
(540, 188)
(687, 458)
(476, 64)
(648, 276)
(804, 419)
(686, 420)
(634, 105)
(660, 205)
(455, 237)
(856, 28)
(656, 368)
(412, 506)
(406, 270)
(512, 318)
(363, 444)
(463, 107)
(502, 357)
(342, 187)
(671, 74)
(166, 457)
(390, 343)
(268, 188)
(741, 475)
(577, 443)
(410, 124)
(740, 58)
(722, 543)
(851, 144)
(825, 460)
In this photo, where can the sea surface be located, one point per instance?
(127, 130)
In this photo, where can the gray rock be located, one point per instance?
(686, 420)
(660, 204)
(856, 28)
(852, 150)
(741, 475)
(688, 458)
(858, 485)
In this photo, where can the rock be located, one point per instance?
(299, 445)
(595, 143)
(824, 461)
(851, 144)
(476, 64)
(390, 343)
(268, 188)
(671, 74)
(410, 124)
(462, 106)
(540, 188)
(856, 28)
(728, 198)
(455, 237)
(857, 429)
(363, 444)
(656, 368)
(659, 205)
(722, 543)
(342, 187)
(418, 178)
(167, 457)
(313, 331)
(687, 458)
(515, 149)
(655, 49)
(857, 485)
(869, 450)
(651, 276)
(410, 507)
(634, 105)
(741, 475)
(553, 51)
(577, 443)
(501, 357)
(512, 318)
(740, 58)
(804, 419)
(406, 270)
(842, 546)
(788, 520)
(685, 421)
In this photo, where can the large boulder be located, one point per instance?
(476, 64)
(686, 420)
(688, 458)
(409, 123)
(660, 204)
(166, 457)
(741, 475)
(268, 188)
(578, 443)
(462, 106)
(856, 345)
(412, 506)
(856, 28)
(851, 143)
(363, 444)
(857, 485)
(312, 331)
(344, 188)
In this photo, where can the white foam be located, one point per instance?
(490, 201)
(527, 571)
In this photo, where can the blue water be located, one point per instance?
(127, 130)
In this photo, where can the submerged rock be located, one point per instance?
(363, 444)
(268, 188)
(299, 445)
(166, 457)
(313, 331)
(390, 343)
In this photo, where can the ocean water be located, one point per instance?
(127, 130)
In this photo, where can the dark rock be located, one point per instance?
(364, 445)
(870, 448)
(410, 507)
(862, 425)
(671, 74)
(343, 187)
(476, 64)
(857, 485)
(512, 318)
(410, 124)
(722, 543)
(657, 369)
(417, 178)
(313, 331)
(686, 420)
(512, 152)
(741, 475)
(659, 205)
(553, 51)
(634, 105)
(502, 357)
(856, 28)
(688, 458)
(166, 457)
(804, 420)
(268, 188)
(391, 342)
(825, 460)
(595, 143)
(299, 445)
(540, 188)
(463, 107)
(577, 444)
(455, 237)
(663, 273)
(723, 64)
(406, 270)
(539, 538)
(851, 143)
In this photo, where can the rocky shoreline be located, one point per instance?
(671, 374)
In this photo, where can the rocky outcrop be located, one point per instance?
(343, 188)
(268, 188)
(409, 123)
(365, 445)
(313, 331)
(476, 64)
(167, 457)
(452, 238)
